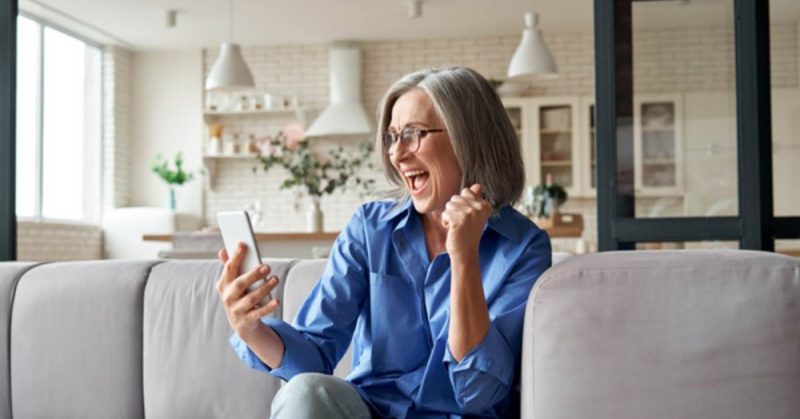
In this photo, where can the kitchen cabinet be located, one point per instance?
(549, 132)
(558, 138)
(658, 145)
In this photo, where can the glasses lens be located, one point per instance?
(388, 141)
(410, 139)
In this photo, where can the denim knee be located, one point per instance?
(313, 395)
(304, 387)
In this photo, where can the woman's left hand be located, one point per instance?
(464, 216)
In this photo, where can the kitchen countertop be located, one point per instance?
(260, 236)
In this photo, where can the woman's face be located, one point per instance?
(432, 174)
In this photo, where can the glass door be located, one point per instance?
(556, 136)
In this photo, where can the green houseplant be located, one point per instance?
(173, 177)
(547, 197)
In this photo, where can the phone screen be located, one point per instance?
(235, 227)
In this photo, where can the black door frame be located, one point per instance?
(8, 97)
(618, 228)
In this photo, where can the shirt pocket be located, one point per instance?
(396, 320)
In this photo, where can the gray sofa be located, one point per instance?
(665, 334)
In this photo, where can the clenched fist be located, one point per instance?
(465, 216)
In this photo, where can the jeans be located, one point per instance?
(313, 395)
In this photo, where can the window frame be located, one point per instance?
(44, 24)
(8, 118)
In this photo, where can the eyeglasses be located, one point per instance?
(409, 137)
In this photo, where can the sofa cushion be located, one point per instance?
(10, 272)
(664, 334)
(190, 370)
(76, 341)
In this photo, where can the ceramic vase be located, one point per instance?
(314, 217)
(171, 198)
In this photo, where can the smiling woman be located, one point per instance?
(430, 288)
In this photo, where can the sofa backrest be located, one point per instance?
(10, 273)
(76, 346)
(123, 339)
(189, 369)
(664, 334)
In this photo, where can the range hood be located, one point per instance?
(344, 115)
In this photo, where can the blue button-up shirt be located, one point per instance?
(380, 289)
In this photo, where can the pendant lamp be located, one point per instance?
(532, 56)
(230, 72)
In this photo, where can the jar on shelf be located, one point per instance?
(214, 146)
(215, 139)
(212, 102)
(251, 147)
(256, 102)
(230, 144)
(243, 104)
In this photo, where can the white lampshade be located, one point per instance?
(230, 72)
(532, 56)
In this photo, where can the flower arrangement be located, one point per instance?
(315, 173)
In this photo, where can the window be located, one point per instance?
(58, 124)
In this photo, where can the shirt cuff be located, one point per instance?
(491, 358)
(296, 352)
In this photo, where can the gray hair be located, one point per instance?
(485, 143)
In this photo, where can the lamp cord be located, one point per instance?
(230, 21)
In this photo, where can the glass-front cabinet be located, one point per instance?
(658, 145)
(549, 131)
(556, 141)
(558, 138)
(518, 113)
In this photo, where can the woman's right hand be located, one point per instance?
(244, 315)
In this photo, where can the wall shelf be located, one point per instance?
(216, 116)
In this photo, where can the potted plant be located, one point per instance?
(318, 174)
(173, 177)
(546, 199)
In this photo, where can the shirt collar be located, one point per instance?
(505, 221)
(398, 209)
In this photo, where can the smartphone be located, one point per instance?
(236, 227)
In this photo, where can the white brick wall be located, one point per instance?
(665, 61)
(116, 126)
(784, 55)
(52, 241)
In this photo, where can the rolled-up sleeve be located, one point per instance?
(486, 374)
(325, 322)
(303, 354)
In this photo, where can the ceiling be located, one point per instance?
(139, 24)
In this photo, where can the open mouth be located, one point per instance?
(417, 180)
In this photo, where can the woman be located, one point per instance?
(431, 288)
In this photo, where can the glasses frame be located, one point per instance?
(391, 139)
